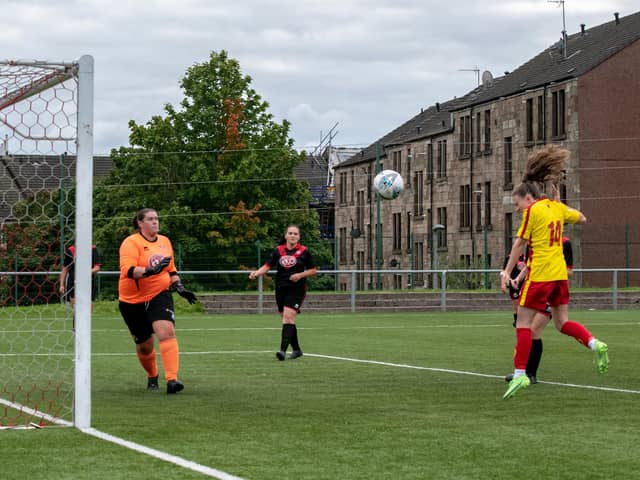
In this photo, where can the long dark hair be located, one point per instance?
(140, 216)
(547, 164)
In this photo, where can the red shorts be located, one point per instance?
(536, 295)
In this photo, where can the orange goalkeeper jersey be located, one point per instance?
(137, 251)
(541, 227)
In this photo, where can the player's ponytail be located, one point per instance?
(547, 164)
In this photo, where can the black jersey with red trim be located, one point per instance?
(290, 261)
(70, 258)
(567, 250)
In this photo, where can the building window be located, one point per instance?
(409, 236)
(465, 206)
(487, 204)
(418, 194)
(529, 122)
(360, 266)
(487, 131)
(429, 161)
(352, 190)
(418, 262)
(442, 234)
(540, 133)
(342, 191)
(508, 162)
(558, 114)
(508, 232)
(409, 158)
(342, 245)
(478, 212)
(477, 132)
(397, 231)
(465, 135)
(369, 172)
(360, 211)
(442, 159)
(397, 161)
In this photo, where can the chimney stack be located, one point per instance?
(582, 25)
(617, 15)
(437, 107)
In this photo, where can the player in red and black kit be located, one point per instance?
(514, 290)
(67, 275)
(293, 263)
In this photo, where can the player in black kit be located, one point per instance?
(294, 263)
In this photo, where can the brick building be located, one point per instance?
(461, 159)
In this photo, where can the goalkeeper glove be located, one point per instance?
(178, 287)
(157, 268)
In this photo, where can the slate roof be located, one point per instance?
(584, 52)
(23, 175)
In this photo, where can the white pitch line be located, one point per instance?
(167, 457)
(464, 372)
(152, 452)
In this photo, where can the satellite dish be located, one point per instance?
(487, 78)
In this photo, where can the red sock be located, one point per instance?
(577, 331)
(170, 358)
(523, 348)
(149, 363)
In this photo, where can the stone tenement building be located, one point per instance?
(461, 159)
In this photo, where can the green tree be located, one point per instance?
(218, 169)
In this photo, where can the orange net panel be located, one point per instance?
(38, 125)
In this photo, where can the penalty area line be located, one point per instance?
(465, 372)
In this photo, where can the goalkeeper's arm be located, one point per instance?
(178, 287)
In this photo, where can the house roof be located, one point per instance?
(22, 175)
(585, 51)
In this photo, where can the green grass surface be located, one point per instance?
(319, 418)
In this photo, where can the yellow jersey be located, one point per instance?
(137, 251)
(541, 227)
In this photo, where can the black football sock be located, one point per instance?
(534, 357)
(287, 334)
(515, 319)
(294, 339)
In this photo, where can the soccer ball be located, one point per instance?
(389, 184)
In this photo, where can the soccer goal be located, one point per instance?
(46, 172)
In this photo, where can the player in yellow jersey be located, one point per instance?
(547, 282)
(147, 277)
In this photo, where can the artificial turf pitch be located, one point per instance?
(376, 396)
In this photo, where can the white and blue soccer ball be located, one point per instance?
(389, 184)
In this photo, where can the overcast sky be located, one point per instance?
(368, 64)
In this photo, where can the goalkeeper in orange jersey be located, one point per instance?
(547, 281)
(147, 277)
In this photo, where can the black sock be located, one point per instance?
(294, 339)
(515, 319)
(287, 336)
(534, 357)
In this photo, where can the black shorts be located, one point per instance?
(139, 317)
(291, 297)
(70, 288)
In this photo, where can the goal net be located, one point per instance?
(46, 115)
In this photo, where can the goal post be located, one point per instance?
(46, 191)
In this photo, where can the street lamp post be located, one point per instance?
(438, 227)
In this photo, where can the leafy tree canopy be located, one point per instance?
(218, 168)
